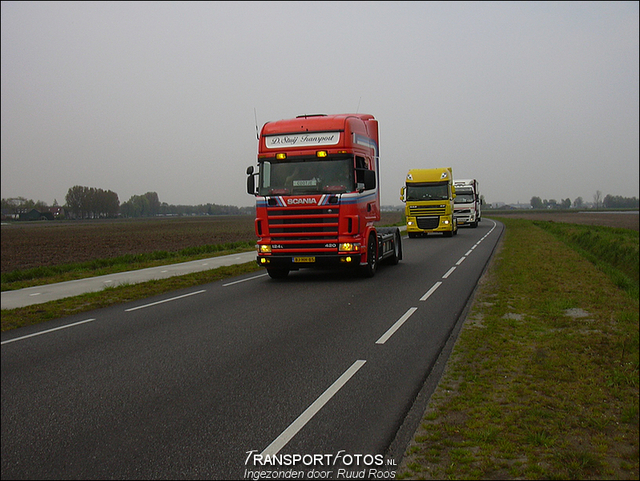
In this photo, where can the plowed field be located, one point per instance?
(45, 243)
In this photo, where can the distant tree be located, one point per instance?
(41, 206)
(154, 203)
(108, 203)
(536, 203)
(578, 203)
(16, 205)
(75, 200)
(136, 206)
(597, 199)
(565, 203)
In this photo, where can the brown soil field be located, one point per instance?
(623, 220)
(35, 244)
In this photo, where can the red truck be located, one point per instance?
(318, 195)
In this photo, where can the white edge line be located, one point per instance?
(431, 291)
(243, 280)
(449, 272)
(165, 300)
(311, 411)
(47, 331)
(385, 337)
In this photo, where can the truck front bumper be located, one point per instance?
(419, 225)
(299, 261)
(465, 219)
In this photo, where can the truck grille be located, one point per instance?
(428, 222)
(304, 230)
(427, 210)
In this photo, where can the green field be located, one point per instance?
(543, 380)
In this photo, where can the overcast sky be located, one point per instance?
(532, 99)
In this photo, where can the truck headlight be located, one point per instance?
(265, 249)
(348, 247)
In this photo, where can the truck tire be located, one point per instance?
(372, 257)
(277, 273)
(397, 249)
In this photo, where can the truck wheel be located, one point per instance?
(372, 257)
(278, 273)
(474, 224)
(397, 249)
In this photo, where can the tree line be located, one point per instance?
(619, 202)
(94, 203)
(609, 202)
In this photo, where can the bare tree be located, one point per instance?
(597, 199)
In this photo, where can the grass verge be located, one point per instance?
(543, 380)
(20, 279)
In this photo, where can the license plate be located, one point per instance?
(304, 259)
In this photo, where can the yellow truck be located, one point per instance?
(429, 194)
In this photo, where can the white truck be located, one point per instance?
(467, 204)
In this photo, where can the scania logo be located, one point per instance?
(302, 201)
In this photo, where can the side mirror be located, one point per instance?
(251, 181)
(402, 193)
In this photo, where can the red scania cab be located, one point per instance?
(317, 195)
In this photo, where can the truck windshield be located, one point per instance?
(431, 191)
(306, 177)
(463, 197)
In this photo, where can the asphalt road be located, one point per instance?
(315, 372)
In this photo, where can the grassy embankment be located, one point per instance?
(20, 279)
(543, 380)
